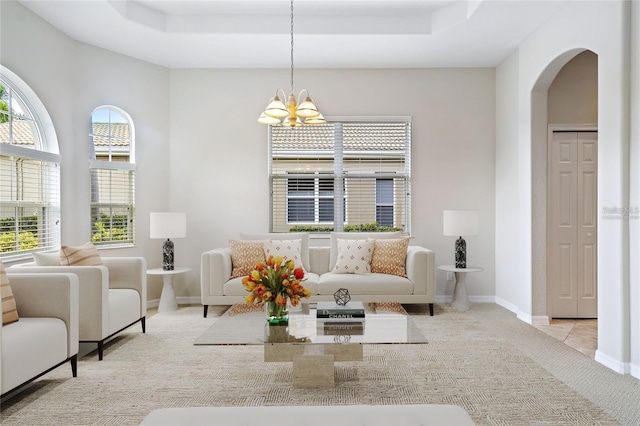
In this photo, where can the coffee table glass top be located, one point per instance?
(303, 328)
(375, 328)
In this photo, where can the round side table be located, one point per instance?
(168, 300)
(460, 300)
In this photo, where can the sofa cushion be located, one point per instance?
(372, 284)
(47, 259)
(304, 250)
(354, 257)
(333, 238)
(390, 256)
(245, 254)
(9, 311)
(84, 255)
(288, 249)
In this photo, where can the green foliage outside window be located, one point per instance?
(111, 228)
(27, 233)
(365, 227)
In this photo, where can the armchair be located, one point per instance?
(46, 335)
(112, 296)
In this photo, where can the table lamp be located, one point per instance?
(168, 225)
(459, 223)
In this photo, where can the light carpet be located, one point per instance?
(499, 369)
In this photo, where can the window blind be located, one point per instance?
(340, 174)
(29, 204)
(112, 202)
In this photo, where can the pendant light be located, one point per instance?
(294, 113)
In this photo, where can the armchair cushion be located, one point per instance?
(47, 259)
(84, 255)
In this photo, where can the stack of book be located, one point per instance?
(334, 319)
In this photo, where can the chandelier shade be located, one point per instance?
(294, 113)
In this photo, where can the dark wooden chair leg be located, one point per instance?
(100, 350)
(206, 309)
(74, 365)
(431, 309)
(144, 324)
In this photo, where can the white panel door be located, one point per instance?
(572, 224)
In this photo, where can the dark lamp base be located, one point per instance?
(167, 255)
(461, 253)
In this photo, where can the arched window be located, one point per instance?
(112, 177)
(29, 172)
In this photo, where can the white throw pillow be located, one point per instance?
(47, 259)
(333, 251)
(288, 249)
(354, 257)
(304, 250)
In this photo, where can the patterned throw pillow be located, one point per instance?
(390, 257)
(354, 257)
(9, 311)
(84, 255)
(244, 256)
(288, 249)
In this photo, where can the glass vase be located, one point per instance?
(277, 314)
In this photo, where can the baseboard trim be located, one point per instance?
(182, 300)
(612, 363)
(446, 298)
(634, 370)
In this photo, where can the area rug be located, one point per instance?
(237, 326)
(499, 369)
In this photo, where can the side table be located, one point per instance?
(168, 297)
(460, 301)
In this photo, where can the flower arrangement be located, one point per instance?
(273, 283)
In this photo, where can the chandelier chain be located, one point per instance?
(291, 92)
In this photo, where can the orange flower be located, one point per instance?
(298, 272)
(281, 300)
(270, 260)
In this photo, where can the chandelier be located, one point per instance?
(294, 113)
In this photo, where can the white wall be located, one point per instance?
(602, 27)
(71, 79)
(219, 151)
(508, 292)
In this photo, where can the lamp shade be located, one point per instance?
(168, 225)
(460, 223)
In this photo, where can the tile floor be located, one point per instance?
(581, 335)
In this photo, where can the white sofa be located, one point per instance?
(419, 287)
(113, 296)
(46, 335)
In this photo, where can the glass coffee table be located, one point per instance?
(314, 346)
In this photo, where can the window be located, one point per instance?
(112, 177)
(384, 202)
(366, 164)
(309, 200)
(29, 173)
